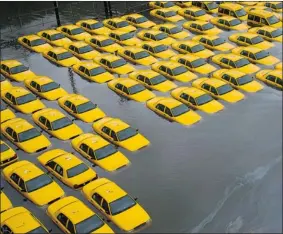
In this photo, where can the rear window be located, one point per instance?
(176, 30)
(85, 49)
(3, 107)
(157, 80)
(79, 169)
(77, 31)
(179, 70)
(160, 36)
(25, 99)
(198, 63)
(218, 41)
(97, 71)
(107, 42)
(199, 13)
(170, 14)
(245, 79)
(272, 20)
(50, 86)
(3, 148)
(37, 42)
(89, 225)
(256, 40)
(121, 204)
(96, 25)
(127, 36)
(64, 55)
(141, 55)
(105, 152)
(242, 62)
(179, 110)
(38, 183)
(87, 106)
(224, 89)
(262, 54)
(168, 4)
(122, 24)
(207, 26)
(126, 134)
(141, 20)
(18, 69)
(240, 12)
(136, 89)
(197, 48)
(57, 36)
(203, 99)
(29, 134)
(160, 48)
(235, 22)
(61, 123)
(211, 5)
(2, 78)
(118, 63)
(277, 33)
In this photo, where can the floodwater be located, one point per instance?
(223, 174)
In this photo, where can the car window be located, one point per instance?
(168, 112)
(15, 178)
(213, 90)
(71, 227)
(97, 198)
(224, 60)
(206, 86)
(119, 86)
(192, 100)
(141, 78)
(105, 207)
(84, 147)
(232, 64)
(226, 77)
(22, 184)
(125, 90)
(279, 81)
(51, 164)
(48, 125)
(42, 120)
(9, 131)
(271, 78)
(6, 230)
(233, 81)
(73, 108)
(244, 53)
(15, 137)
(106, 130)
(114, 136)
(62, 219)
(160, 107)
(59, 170)
(68, 104)
(184, 96)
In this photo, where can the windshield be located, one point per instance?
(205, 98)
(197, 48)
(160, 36)
(127, 36)
(245, 79)
(87, 106)
(160, 48)
(126, 133)
(176, 30)
(168, 4)
(278, 5)
(256, 40)
(107, 42)
(2, 78)
(105, 151)
(277, 32)
(170, 14)
(240, 12)
(38, 182)
(141, 55)
(18, 69)
(262, 54)
(61, 123)
(50, 86)
(122, 24)
(118, 63)
(64, 55)
(38, 230)
(136, 89)
(157, 80)
(25, 99)
(29, 134)
(198, 63)
(224, 89)
(242, 62)
(273, 19)
(97, 71)
(37, 42)
(57, 36)
(4, 148)
(179, 110)
(76, 170)
(179, 70)
(207, 26)
(122, 204)
(96, 25)
(218, 41)
(85, 49)
(199, 13)
(211, 5)
(235, 22)
(141, 20)
(77, 31)
(89, 225)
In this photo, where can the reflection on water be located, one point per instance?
(72, 81)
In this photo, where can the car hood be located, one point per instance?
(69, 62)
(166, 54)
(249, 69)
(101, 31)
(46, 194)
(24, 75)
(54, 94)
(112, 48)
(132, 41)
(252, 86)
(165, 86)
(269, 60)
(83, 177)
(147, 61)
(181, 35)
(92, 115)
(143, 96)
(113, 162)
(102, 78)
(211, 107)
(167, 41)
(62, 42)
(233, 96)
(224, 47)
(204, 53)
(134, 143)
(67, 132)
(81, 36)
(42, 48)
(188, 118)
(185, 77)
(124, 69)
(205, 69)
(30, 107)
(265, 45)
(35, 144)
(90, 55)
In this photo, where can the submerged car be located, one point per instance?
(103, 43)
(167, 15)
(195, 13)
(119, 23)
(157, 49)
(271, 77)
(268, 33)
(155, 35)
(229, 22)
(74, 32)
(172, 30)
(34, 43)
(82, 50)
(139, 21)
(54, 37)
(213, 42)
(8, 155)
(93, 26)
(124, 38)
(202, 27)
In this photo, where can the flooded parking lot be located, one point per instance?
(223, 174)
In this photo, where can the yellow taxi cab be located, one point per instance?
(130, 89)
(208, 6)
(114, 64)
(268, 33)
(56, 124)
(218, 89)
(264, 18)
(173, 110)
(74, 32)
(82, 50)
(73, 216)
(231, 61)
(103, 43)
(139, 21)
(275, 6)
(238, 80)
(15, 70)
(271, 77)
(25, 136)
(4, 84)
(137, 55)
(120, 133)
(32, 183)
(194, 63)
(81, 108)
(117, 205)
(68, 168)
(124, 38)
(5, 113)
(229, 23)
(167, 15)
(192, 47)
(119, 23)
(45, 87)
(152, 80)
(100, 152)
(256, 55)
(250, 39)
(155, 35)
(183, 4)
(34, 43)
(174, 71)
(5, 203)
(197, 99)
(264, 8)
(157, 49)
(21, 100)
(93, 72)
(249, 3)
(233, 9)
(20, 220)
(54, 37)
(7, 156)
(278, 66)
(93, 26)
(195, 13)
(213, 42)
(164, 5)
(172, 30)
(60, 56)
(202, 27)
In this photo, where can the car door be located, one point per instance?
(105, 132)
(61, 221)
(213, 91)
(42, 122)
(81, 70)
(105, 208)
(84, 149)
(160, 109)
(168, 113)
(9, 133)
(119, 88)
(67, 106)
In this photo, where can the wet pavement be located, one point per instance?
(223, 174)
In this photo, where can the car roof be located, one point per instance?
(69, 26)
(100, 37)
(252, 49)
(119, 32)
(116, 124)
(262, 12)
(226, 17)
(116, 19)
(152, 31)
(11, 63)
(67, 161)
(95, 142)
(43, 80)
(187, 57)
(169, 102)
(231, 6)
(58, 50)
(168, 25)
(51, 114)
(214, 82)
(193, 8)
(164, 10)
(32, 37)
(19, 125)
(77, 99)
(127, 82)
(111, 57)
(233, 57)
(194, 92)
(28, 171)
(89, 65)
(134, 49)
(135, 15)
(89, 21)
(110, 191)
(17, 91)
(268, 28)
(50, 31)
(170, 64)
(148, 73)
(78, 44)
